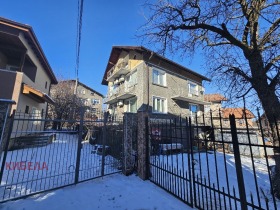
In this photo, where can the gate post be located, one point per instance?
(129, 155)
(143, 145)
(104, 138)
(238, 164)
(77, 169)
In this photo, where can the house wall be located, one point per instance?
(145, 89)
(85, 93)
(175, 85)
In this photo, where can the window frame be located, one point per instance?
(164, 108)
(129, 105)
(157, 81)
(129, 81)
(191, 112)
(191, 91)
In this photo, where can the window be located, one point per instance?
(226, 121)
(42, 113)
(159, 77)
(95, 101)
(83, 91)
(46, 85)
(26, 109)
(159, 105)
(193, 109)
(132, 105)
(132, 79)
(193, 88)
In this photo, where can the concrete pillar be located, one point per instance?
(142, 145)
(129, 156)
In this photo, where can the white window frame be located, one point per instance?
(191, 90)
(197, 109)
(129, 105)
(130, 80)
(157, 81)
(163, 105)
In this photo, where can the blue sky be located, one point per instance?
(105, 23)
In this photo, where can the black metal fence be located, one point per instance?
(38, 158)
(211, 164)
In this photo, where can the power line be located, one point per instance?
(79, 35)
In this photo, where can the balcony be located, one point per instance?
(122, 92)
(193, 96)
(122, 67)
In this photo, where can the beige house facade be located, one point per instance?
(25, 74)
(90, 98)
(139, 79)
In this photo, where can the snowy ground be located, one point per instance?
(111, 192)
(205, 168)
(20, 178)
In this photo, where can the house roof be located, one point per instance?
(32, 41)
(116, 51)
(87, 87)
(238, 113)
(216, 97)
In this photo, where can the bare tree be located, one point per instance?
(67, 104)
(241, 39)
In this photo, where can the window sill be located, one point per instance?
(163, 113)
(164, 86)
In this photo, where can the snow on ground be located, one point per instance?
(60, 161)
(110, 192)
(205, 168)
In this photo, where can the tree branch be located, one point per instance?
(239, 72)
(267, 35)
(275, 80)
(271, 63)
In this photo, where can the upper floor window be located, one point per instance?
(95, 101)
(193, 88)
(46, 85)
(132, 78)
(82, 91)
(159, 77)
(159, 105)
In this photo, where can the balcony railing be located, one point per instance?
(124, 91)
(121, 68)
(193, 96)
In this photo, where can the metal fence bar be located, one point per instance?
(6, 147)
(239, 172)
(77, 168)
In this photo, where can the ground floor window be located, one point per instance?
(159, 105)
(132, 105)
(193, 109)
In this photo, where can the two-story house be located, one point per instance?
(25, 74)
(139, 79)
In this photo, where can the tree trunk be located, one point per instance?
(271, 106)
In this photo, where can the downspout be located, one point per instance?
(148, 80)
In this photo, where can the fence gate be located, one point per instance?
(211, 167)
(44, 154)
